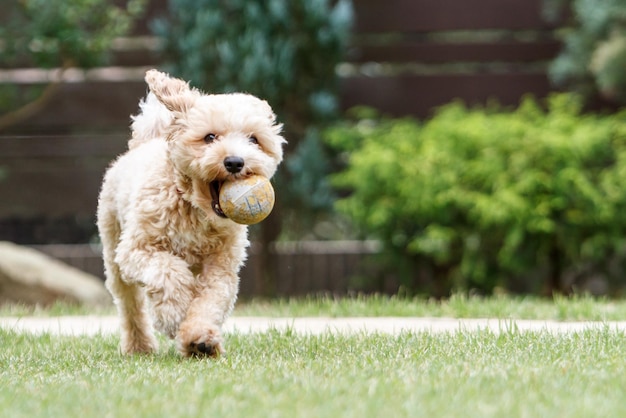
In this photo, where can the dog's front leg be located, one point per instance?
(168, 282)
(200, 333)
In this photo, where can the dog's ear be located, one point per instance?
(174, 93)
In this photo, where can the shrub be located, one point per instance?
(485, 197)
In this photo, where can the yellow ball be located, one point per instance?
(247, 201)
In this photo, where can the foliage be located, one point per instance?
(594, 56)
(485, 197)
(284, 51)
(60, 33)
(56, 34)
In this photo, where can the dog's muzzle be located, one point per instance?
(214, 186)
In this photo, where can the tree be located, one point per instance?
(284, 51)
(58, 34)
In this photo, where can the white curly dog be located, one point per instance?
(171, 257)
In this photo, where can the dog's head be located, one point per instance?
(217, 137)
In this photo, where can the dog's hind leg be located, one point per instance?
(137, 335)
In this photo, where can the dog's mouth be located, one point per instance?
(215, 186)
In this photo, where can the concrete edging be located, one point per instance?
(93, 325)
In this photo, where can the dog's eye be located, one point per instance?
(210, 138)
(254, 140)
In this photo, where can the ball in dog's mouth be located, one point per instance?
(215, 186)
(247, 200)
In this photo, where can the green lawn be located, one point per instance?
(284, 374)
(458, 306)
(280, 374)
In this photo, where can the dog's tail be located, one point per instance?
(151, 122)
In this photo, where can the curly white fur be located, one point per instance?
(171, 260)
(151, 122)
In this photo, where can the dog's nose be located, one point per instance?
(233, 164)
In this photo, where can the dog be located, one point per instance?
(171, 257)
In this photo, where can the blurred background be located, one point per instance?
(434, 147)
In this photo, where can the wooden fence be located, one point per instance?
(307, 267)
(406, 57)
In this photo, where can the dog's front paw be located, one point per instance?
(202, 342)
(169, 307)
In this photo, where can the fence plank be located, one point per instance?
(443, 15)
(132, 57)
(30, 190)
(87, 106)
(54, 176)
(418, 94)
(58, 146)
(438, 52)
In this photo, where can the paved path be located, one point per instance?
(90, 325)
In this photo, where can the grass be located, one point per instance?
(58, 308)
(458, 306)
(286, 374)
(580, 307)
(282, 374)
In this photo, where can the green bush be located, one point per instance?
(475, 199)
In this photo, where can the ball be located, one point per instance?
(247, 201)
